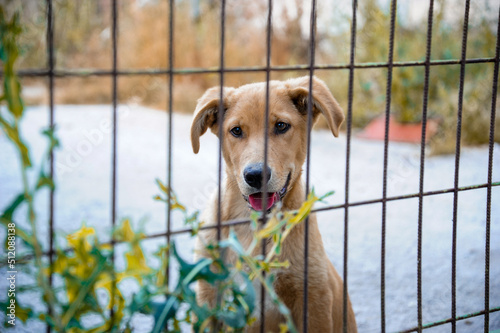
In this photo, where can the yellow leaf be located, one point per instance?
(265, 266)
(162, 186)
(158, 198)
(125, 232)
(177, 327)
(105, 282)
(272, 227)
(162, 254)
(136, 265)
(60, 264)
(305, 209)
(75, 239)
(108, 247)
(251, 320)
(176, 205)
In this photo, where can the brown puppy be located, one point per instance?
(243, 151)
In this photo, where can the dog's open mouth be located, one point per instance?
(256, 199)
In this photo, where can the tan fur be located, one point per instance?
(245, 107)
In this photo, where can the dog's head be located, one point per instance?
(244, 137)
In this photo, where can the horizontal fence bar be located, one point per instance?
(354, 204)
(322, 209)
(333, 207)
(449, 320)
(59, 73)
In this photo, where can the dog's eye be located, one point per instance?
(281, 127)
(236, 131)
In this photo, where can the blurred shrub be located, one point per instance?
(83, 40)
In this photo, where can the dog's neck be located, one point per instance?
(295, 196)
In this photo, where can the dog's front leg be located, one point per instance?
(319, 317)
(205, 293)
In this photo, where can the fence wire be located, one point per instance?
(171, 71)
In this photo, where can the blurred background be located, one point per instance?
(83, 118)
(83, 41)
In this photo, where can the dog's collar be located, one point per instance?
(284, 190)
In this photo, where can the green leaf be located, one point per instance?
(12, 133)
(86, 287)
(53, 141)
(233, 242)
(9, 211)
(8, 53)
(235, 318)
(22, 313)
(142, 300)
(12, 89)
(20, 233)
(74, 323)
(326, 195)
(163, 312)
(202, 313)
(44, 180)
(248, 293)
(197, 271)
(239, 305)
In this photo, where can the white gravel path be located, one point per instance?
(83, 194)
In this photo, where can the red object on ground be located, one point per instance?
(398, 132)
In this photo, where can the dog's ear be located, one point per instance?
(323, 101)
(206, 114)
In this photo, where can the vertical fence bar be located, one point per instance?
(220, 113)
(350, 95)
(114, 145)
(422, 163)
(266, 149)
(50, 49)
(494, 91)
(312, 53)
(386, 160)
(457, 170)
(220, 121)
(169, 138)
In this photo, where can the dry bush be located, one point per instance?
(83, 90)
(83, 40)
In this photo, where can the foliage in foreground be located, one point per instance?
(84, 291)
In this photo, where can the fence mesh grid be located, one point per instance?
(51, 73)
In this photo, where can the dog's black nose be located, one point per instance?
(253, 174)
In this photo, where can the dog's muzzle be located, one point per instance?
(256, 200)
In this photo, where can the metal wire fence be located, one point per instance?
(171, 71)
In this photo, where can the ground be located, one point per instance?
(83, 173)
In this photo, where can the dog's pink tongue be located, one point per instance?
(256, 199)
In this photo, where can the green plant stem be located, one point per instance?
(170, 303)
(187, 280)
(47, 290)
